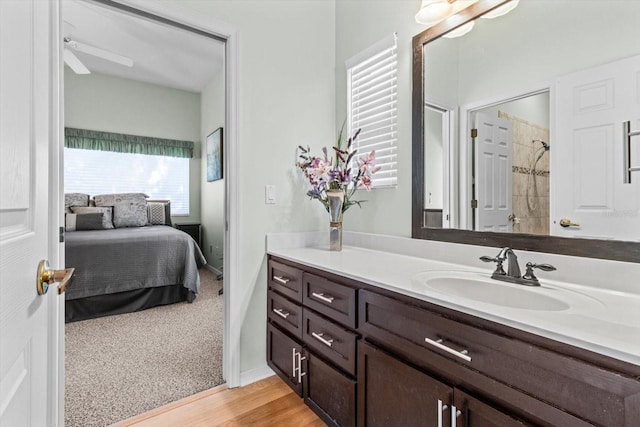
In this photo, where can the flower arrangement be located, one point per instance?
(335, 173)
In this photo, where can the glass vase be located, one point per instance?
(335, 200)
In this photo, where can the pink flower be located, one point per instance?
(321, 170)
(367, 161)
(365, 181)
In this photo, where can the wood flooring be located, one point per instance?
(269, 402)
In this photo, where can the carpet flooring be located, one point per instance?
(124, 365)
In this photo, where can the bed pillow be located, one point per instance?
(159, 213)
(107, 218)
(80, 222)
(113, 199)
(75, 199)
(130, 214)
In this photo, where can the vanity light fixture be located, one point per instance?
(502, 10)
(433, 11)
(460, 31)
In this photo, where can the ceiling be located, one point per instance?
(162, 54)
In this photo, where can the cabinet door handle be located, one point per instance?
(323, 297)
(462, 354)
(300, 373)
(281, 279)
(280, 312)
(455, 413)
(441, 409)
(293, 362)
(320, 337)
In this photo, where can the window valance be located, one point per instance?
(121, 143)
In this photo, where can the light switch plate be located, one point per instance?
(270, 194)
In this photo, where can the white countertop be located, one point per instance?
(603, 320)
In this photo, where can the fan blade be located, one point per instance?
(101, 53)
(74, 63)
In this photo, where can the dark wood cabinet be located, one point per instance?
(391, 392)
(313, 354)
(369, 356)
(330, 393)
(474, 413)
(285, 357)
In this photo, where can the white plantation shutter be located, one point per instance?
(372, 79)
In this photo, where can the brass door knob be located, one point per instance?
(565, 222)
(46, 275)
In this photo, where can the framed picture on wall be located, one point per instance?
(214, 155)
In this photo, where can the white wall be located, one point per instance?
(112, 104)
(212, 193)
(286, 79)
(359, 24)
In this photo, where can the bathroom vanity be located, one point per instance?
(358, 336)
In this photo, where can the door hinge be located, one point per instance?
(474, 204)
(474, 133)
(61, 234)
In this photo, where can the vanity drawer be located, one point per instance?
(285, 280)
(590, 392)
(284, 313)
(330, 298)
(330, 340)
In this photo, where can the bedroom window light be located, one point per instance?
(103, 172)
(372, 96)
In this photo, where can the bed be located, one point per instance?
(121, 270)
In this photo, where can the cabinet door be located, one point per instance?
(391, 392)
(474, 413)
(329, 393)
(284, 356)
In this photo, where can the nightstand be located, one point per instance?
(192, 230)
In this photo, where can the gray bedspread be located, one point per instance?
(124, 259)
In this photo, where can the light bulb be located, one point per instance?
(460, 31)
(433, 11)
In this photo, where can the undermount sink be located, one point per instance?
(481, 287)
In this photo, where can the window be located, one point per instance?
(102, 172)
(372, 79)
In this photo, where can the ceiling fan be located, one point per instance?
(70, 58)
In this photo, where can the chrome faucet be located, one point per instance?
(513, 269)
(513, 274)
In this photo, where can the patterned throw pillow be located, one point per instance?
(79, 222)
(113, 199)
(75, 199)
(107, 221)
(159, 213)
(130, 214)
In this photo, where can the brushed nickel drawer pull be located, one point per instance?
(280, 312)
(455, 413)
(441, 409)
(323, 297)
(282, 280)
(300, 373)
(462, 354)
(320, 337)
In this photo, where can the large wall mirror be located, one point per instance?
(518, 135)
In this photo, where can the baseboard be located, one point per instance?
(256, 374)
(212, 269)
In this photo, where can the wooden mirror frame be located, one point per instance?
(589, 248)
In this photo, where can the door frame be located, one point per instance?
(449, 166)
(466, 142)
(232, 310)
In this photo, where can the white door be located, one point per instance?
(493, 175)
(587, 161)
(28, 128)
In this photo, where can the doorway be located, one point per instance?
(211, 117)
(510, 189)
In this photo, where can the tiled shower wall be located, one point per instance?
(530, 202)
